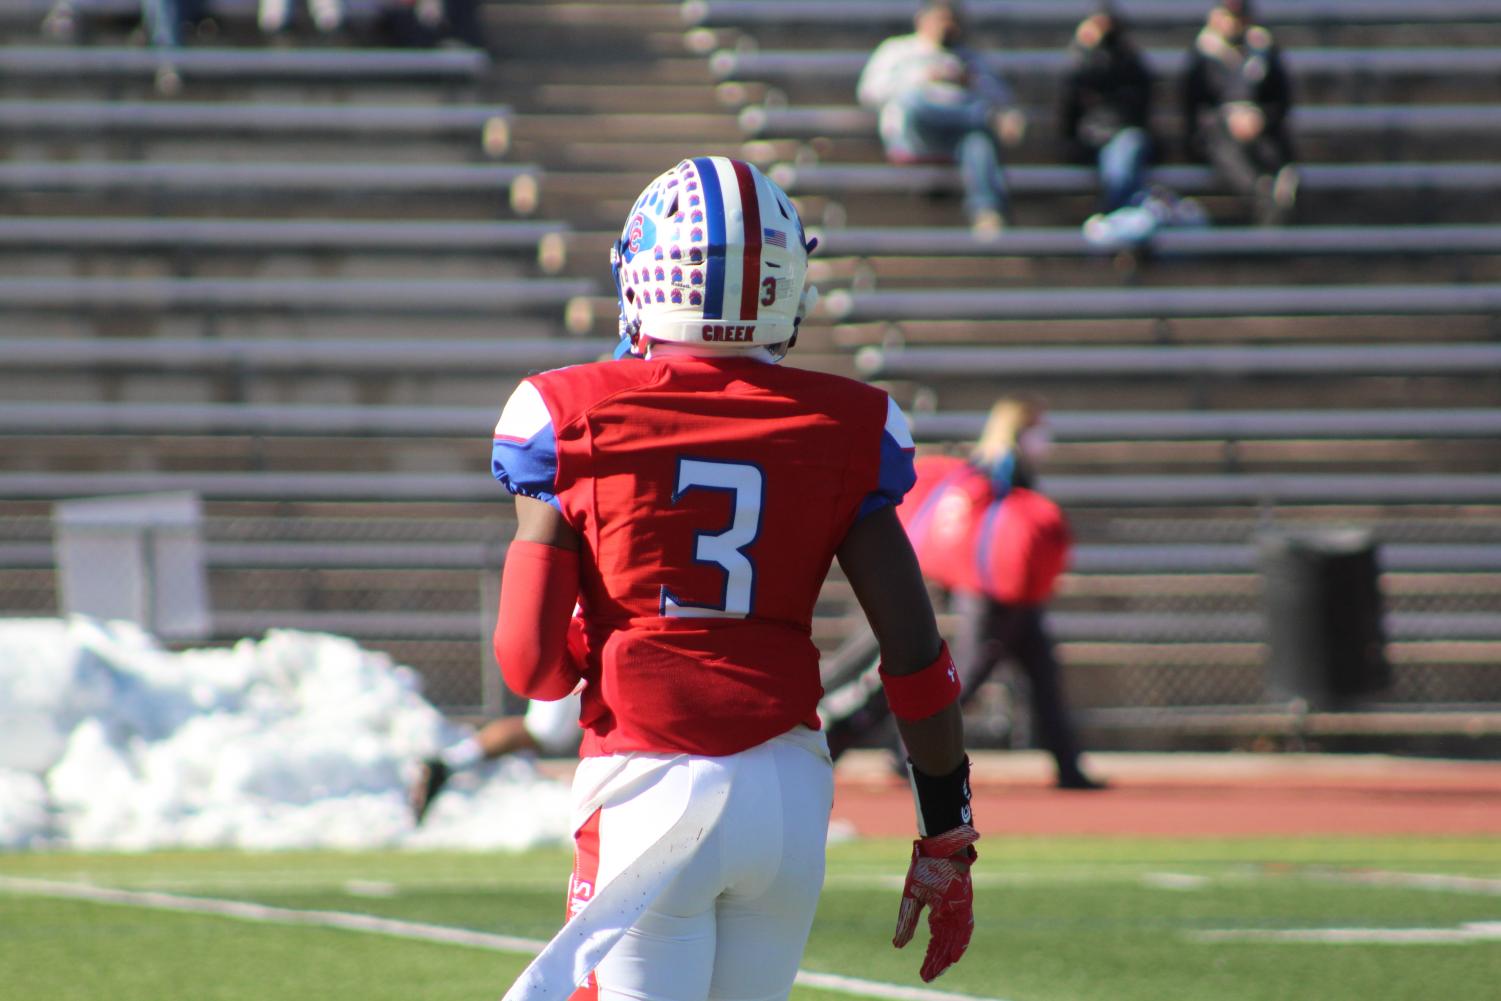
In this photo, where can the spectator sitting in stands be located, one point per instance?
(938, 101)
(1236, 99)
(429, 23)
(1107, 101)
(275, 15)
(162, 20)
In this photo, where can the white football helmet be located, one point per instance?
(713, 254)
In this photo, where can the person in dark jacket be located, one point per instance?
(1236, 100)
(1107, 106)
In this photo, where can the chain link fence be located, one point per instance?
(1149, 640)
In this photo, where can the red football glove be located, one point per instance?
(938, 879)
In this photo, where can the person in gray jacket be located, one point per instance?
(939, 102)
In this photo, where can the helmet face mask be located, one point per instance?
(713, 254)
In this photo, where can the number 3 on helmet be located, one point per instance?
(713, 254)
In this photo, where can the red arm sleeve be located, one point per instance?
(538, 588)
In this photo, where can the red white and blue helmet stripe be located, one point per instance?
(714, 209)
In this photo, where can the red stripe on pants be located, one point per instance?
(581, 888)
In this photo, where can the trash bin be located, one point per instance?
(1322, 595)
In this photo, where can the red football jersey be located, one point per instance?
(710, 494)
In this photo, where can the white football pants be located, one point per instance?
(732, 924)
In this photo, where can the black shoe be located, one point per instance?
(1080, 781)
(430, 778)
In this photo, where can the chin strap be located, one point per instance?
(630, 329)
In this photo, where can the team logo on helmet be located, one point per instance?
(640, 233)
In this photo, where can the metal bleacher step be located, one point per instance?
(319, 64)
(1148, 491)
(258, 236)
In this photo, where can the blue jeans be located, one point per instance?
(1123, 167)
(958, 132)
(164, 19)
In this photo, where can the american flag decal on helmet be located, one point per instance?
(776, 238)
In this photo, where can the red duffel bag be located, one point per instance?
(1012, 549)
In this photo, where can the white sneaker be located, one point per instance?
(987, 225)
(273, 15)
(1285, 188)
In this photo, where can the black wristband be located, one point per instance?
(942, 800)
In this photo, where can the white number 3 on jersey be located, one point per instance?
(726, 549)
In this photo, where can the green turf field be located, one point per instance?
(1057, 920)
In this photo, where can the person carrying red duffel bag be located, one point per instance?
(984, 532)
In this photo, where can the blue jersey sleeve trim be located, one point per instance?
(896, 476)
(528, 468)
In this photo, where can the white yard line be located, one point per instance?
(1415, 881)
(375, 888)
(876, 989)
(1174, 881)
(1478, 931)
(244, 911)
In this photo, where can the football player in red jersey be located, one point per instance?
(693, 501)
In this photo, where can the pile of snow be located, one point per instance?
(298, 740)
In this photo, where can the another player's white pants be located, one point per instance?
(555, 725)
(732, 925)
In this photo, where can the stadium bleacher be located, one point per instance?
(1381, 178)
(226, 181)
(890, 16)
(218, 292)
(512, 354)
(143, 119)
(1212, 242)
(23, 66)
(496, 297)
(260, 236)
(1364, 70)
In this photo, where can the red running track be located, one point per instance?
(1197, 795)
